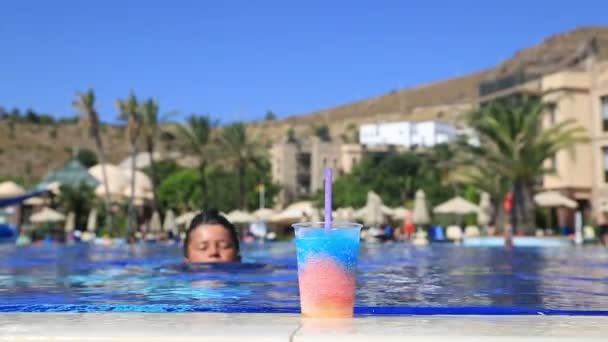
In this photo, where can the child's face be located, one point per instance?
(211, 243)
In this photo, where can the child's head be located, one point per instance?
(211, 238)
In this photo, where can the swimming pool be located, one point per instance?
(393, 278)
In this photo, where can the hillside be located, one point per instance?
(449, 98)
(34, 149)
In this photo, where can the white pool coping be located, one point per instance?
(178, 327)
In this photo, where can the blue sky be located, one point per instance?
(237, 59)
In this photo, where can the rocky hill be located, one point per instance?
(30, 150)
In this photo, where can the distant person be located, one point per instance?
(409, 229)
(211, 238)
(388, 232)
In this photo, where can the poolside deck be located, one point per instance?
(177, 327)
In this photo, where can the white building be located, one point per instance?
(407, 134)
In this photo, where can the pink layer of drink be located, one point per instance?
(326, 288)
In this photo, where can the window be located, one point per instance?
(552, 111)
(553, 163)
(605, 164)
(604, 110)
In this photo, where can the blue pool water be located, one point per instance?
(392, 278)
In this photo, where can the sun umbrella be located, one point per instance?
(92, 221)
(70, 222)
(169, 223)
(47, 215)
(295, 212)
(458, 206)
(155, 223)
(373, 214)
(240, 217)
(264, 213)
(10, 189)
(551, 199)
(485, 210)
(421, 213)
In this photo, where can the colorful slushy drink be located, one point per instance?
(327, 264)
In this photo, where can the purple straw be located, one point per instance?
(328, 178)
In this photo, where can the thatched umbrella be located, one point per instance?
(421, 213)
(47, 215)
(10, 189)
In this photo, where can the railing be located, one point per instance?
(515, 79)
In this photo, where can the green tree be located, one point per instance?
(322, 132)
(270, 116)
(196, 133)
(394, 176)
(150, 133)
(181, 190)
(163, 169)
(242, 153)
(291, 136)
(515, 146)
(77, 199)
(85, 104)
(87, 157)
(130, 112)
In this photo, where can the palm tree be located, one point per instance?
(129, 111)
(196, 133)
(85, 104)
(149, 112)
(242, 152)
(515, 146)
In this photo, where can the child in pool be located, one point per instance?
(211, 238)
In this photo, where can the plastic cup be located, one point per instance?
(327, 265)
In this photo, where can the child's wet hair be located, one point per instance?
(211, 217)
